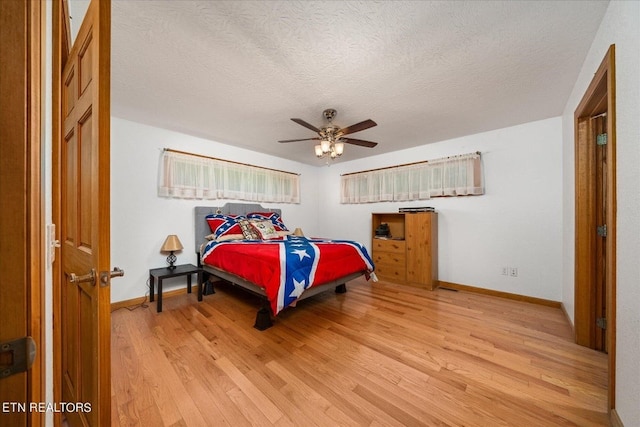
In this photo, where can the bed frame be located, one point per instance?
(264, 315)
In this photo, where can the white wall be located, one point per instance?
(140, 220)
(517, 223)
(620, 26)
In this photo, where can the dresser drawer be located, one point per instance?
(392, 272)
(392, 258)
(397, 246)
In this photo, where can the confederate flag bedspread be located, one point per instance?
(285, 267)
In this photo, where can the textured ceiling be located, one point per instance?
(236, 71)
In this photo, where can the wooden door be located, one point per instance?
(21, 263)
(595, 206)
(81, 169)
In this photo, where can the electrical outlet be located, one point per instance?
(505, 271)
(513, 272)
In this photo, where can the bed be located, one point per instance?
(236, 243)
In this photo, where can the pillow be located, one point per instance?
(221, 225)
(229, 236)
(247, 230)
(265, 230)
(274, 217)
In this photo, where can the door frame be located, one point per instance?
(602, 86)
(61, 37)
(21, 64)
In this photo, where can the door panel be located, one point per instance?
(83, 192)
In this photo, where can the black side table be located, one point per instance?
(166, 273)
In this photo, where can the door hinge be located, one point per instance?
(602, 230)
(601, 139)
(601, 322)
(16, 356)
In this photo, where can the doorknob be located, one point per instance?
(91, 277)
(106, 275)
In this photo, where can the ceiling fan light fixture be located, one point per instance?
(327, 148)
(331, 143)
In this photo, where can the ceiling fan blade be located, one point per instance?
(360, 142)
(307, 125)
(357, 127)
(296, 140)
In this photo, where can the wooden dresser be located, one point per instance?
(410, 254)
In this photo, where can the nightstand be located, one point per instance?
(166, 273)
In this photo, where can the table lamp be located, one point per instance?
(171, 244)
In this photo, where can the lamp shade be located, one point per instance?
(171, 243)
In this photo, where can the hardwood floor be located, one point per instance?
(379, 355)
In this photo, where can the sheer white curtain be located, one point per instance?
(457, 176)
(194, 177)
(367, 187)
(412, 182)
(451, 176)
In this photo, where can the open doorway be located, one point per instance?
(595, 220)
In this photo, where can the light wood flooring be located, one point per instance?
(379, 355)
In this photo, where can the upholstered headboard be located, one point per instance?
(202, 228)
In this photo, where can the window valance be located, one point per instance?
(450, 176)
(193, 176)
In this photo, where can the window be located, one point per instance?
(191, 176)
(450, 176)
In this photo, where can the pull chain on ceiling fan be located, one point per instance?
(332, 138)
